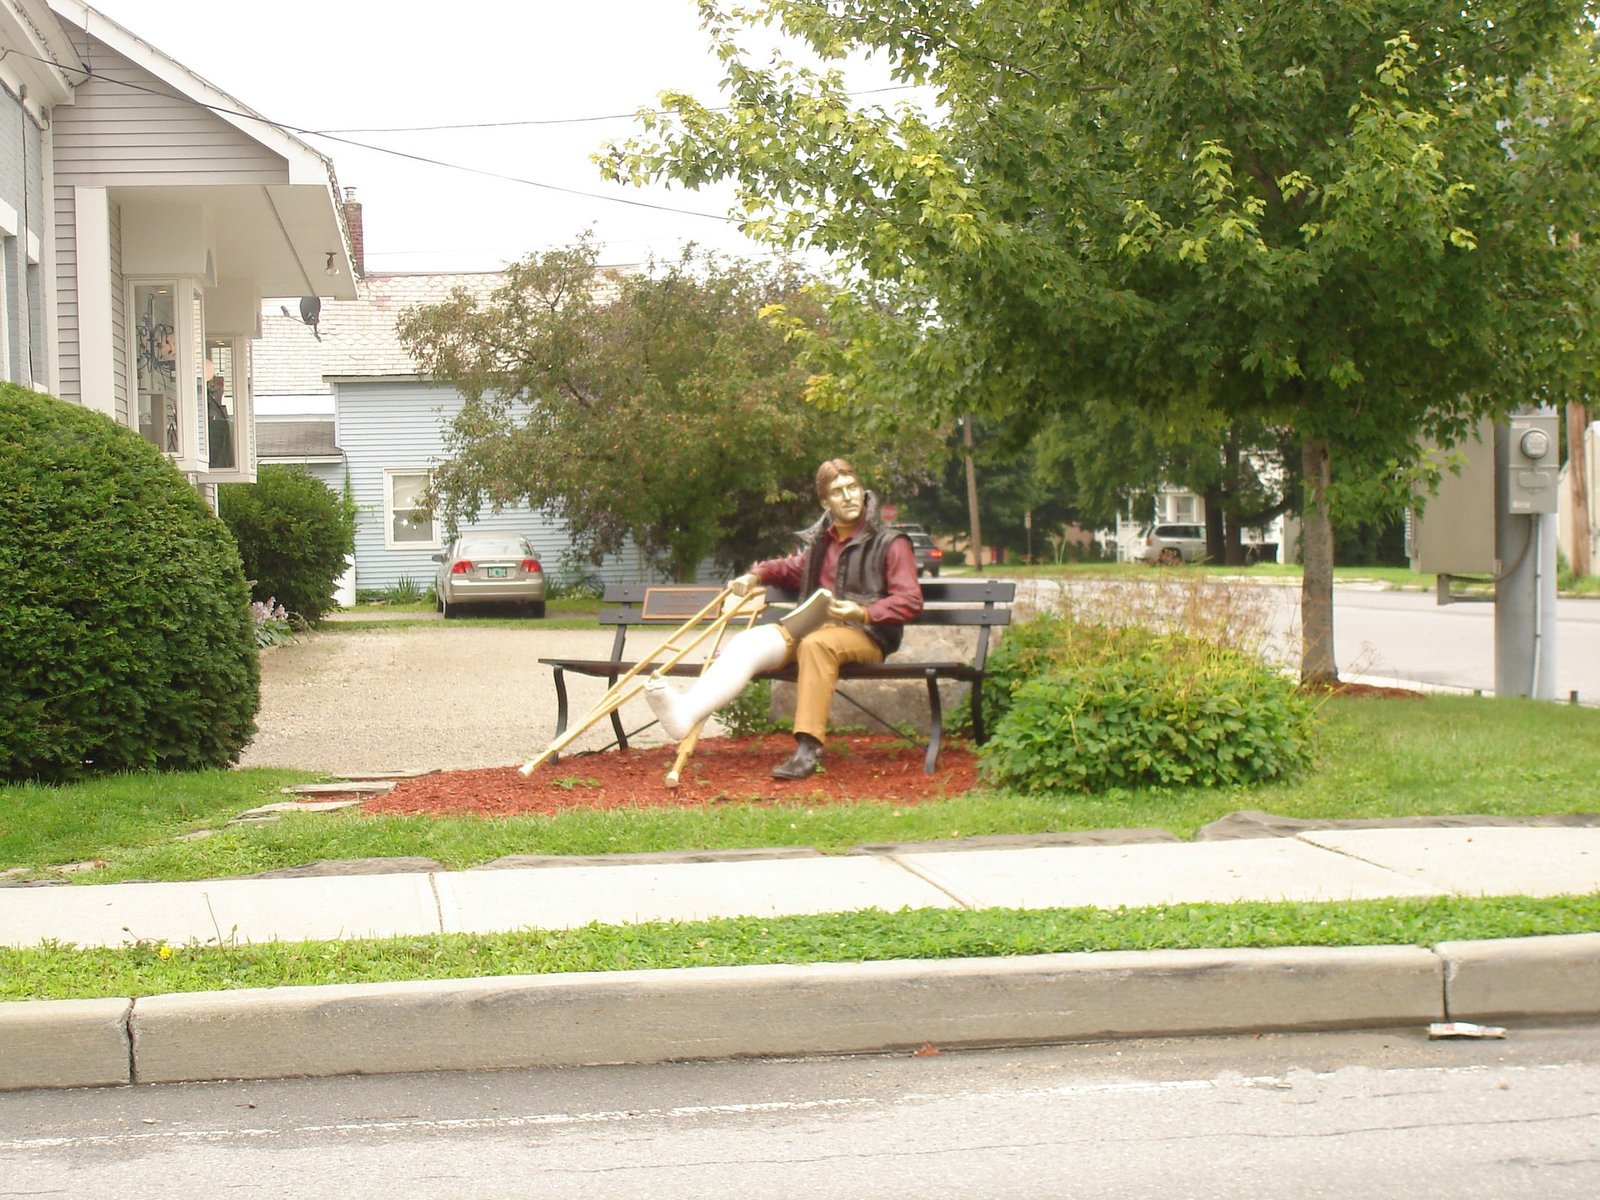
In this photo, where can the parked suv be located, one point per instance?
(1169, 545)
(929, 557)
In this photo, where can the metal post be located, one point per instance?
(1525, 590)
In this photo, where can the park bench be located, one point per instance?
(980, 604)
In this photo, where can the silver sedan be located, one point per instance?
(488, 568)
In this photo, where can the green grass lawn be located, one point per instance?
(1375, 758)
(57, 972)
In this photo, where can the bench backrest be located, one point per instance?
(981, 602)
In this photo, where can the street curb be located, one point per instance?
(726, 1012)
(64, 1043)
(1522, 977)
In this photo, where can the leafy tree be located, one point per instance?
(657, 405)
(1358, 222)
(1011, 484)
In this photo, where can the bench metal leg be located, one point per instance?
(980, 735)
(935, 724)
(561, 706)
(616, 726)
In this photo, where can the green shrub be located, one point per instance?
(294, 534)
(749, 714)
(1085, 708)
(128, 641)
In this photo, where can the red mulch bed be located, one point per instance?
(1370, 691)
(856, 767)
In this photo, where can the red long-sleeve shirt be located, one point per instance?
(902, 604)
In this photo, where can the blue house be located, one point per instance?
(337, 393)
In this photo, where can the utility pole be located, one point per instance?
(972, 492)
(1578, 482)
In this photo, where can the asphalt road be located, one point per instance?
(1409, 636)
(1383, 1115)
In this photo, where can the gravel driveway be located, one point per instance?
(349, 701)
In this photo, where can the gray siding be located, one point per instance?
(115, 134)
(22, 187)
(122, 389)
(69, 378)
(386, 424)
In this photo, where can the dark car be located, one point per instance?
(929, 556)
(488, 568)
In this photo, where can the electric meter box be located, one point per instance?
(1453, 534)
(1533, 463)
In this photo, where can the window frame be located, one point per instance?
(186, 338)
(390, 475)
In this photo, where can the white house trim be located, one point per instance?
(96, 372)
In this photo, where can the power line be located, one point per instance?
(418, 158)
(551, 120)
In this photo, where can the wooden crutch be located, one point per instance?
(686, 747)
(624, 689)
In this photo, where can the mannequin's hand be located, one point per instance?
(745, 584)
(847, 610)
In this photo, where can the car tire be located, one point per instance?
(536, 609)
(933, 571)
(449, 610)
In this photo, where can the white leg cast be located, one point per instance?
(746, 655)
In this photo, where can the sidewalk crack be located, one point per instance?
(438, 901)
(967, 902)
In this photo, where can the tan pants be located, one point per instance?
(819, 657)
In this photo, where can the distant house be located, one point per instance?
(343, 398)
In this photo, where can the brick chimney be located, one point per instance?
(352, 220)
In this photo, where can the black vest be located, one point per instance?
(861, 574)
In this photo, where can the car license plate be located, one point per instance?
(497, 572)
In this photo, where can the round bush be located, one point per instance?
(294, 534)
(1086, 708)
(128, 642)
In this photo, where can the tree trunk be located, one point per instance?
(1232, 543)
(1317, 663)
(972, 493)
(1578, 483)
(1214, 523)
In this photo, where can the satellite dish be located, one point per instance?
(311, 312)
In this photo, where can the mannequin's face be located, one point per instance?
(845, 501)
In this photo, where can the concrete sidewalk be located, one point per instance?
(656, 1015)
(1317, 864)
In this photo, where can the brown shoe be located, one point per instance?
(804, 762)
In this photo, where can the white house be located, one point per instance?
(144, 214)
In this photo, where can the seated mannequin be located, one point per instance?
(871, 570)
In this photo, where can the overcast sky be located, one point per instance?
(372, 67)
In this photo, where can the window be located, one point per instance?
(220, 371)
(156, 349)
(406, 524)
